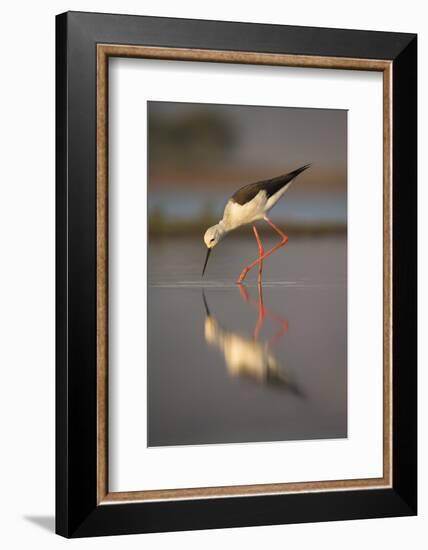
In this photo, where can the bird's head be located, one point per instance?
(212, 237)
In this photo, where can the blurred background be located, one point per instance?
(199, 154)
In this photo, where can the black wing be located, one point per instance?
(248, 192)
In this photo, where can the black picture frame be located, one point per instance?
(77, 511)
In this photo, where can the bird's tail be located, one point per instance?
(298, 171)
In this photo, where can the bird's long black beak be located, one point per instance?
(207, 309)
(206, 260)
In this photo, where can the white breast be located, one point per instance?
(240, 214)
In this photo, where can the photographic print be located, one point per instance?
(234, 274)
(247, 274)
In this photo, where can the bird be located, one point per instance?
(247, 205)
(250, 358)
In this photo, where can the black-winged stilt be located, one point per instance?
(251, 358)
(248, 205)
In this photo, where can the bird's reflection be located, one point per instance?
(251, 357)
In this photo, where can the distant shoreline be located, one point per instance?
(197, 228)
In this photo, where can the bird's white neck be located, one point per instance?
(222, 228)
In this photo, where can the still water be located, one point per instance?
(231, 364)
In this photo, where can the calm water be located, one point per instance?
(229, 364)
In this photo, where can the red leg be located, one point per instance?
(244, 293)
(261, 252)
(266, 312)
(278, 335)
(263, 312)
(261, 318)
(268, 253)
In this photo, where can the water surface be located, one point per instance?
(230, 364)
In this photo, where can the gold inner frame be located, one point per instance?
(104, 51)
